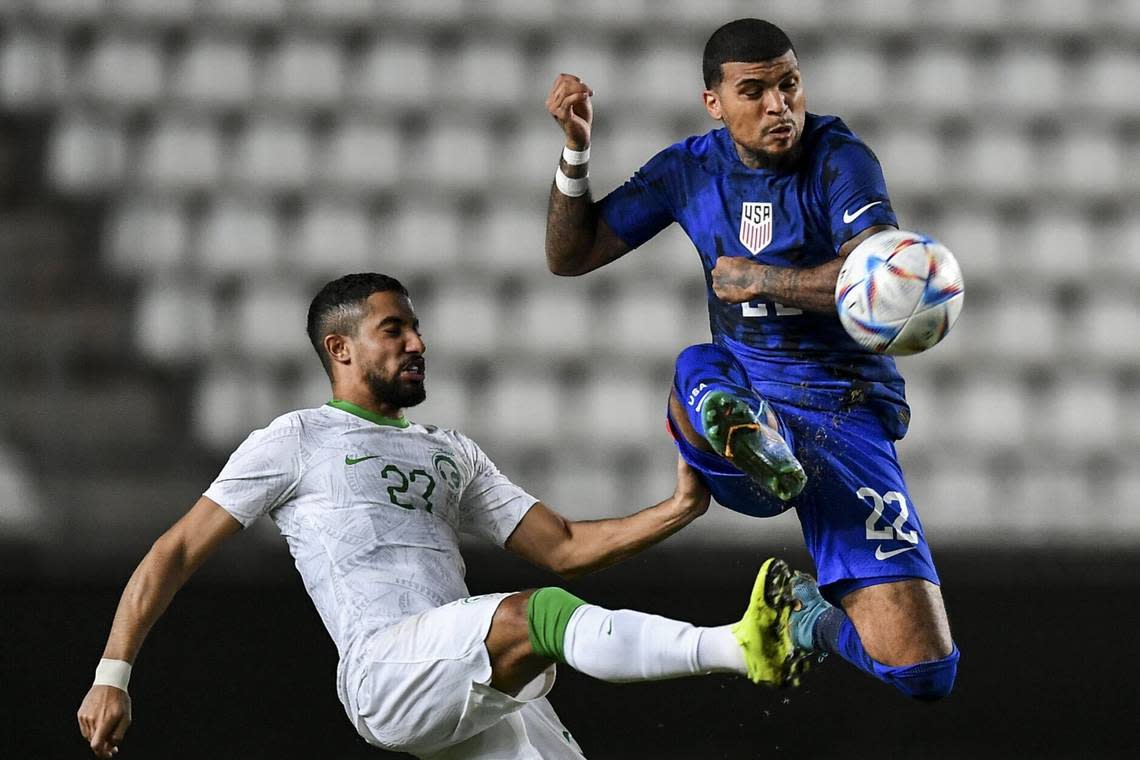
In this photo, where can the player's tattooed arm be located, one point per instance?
(577, 239)
(739, 280)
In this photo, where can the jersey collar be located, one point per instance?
(359, 411)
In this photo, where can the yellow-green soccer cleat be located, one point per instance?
(764, 633)
(753, 443)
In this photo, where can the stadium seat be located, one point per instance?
(450, 399)
(425, 11)
(621, 326)
(593, 60)
(1055, 244)
(85, 155)
(232, 400)
(487, 73)
(510, 238)
(912, 162)
(332, 239)
(269, 323)
(976, 238)
(883, 15)
(123, 71)
(147, 236)
(303, 72)
(989, 411)
(1079, 413)
(599, 495)
(967, 16)
(33, 70)
(461, 321)
(215, 71)
(175, 321)
(361, 156)
(274, 155)
(428, 236)
(69, 11)
(1107, 81)
(395, 71)
(1049, 498)
(525, 13)
(1026, 80)
(618, 407)
(551, 319)
(533, 147)
(959, 500)
(1000, 162)
(454, 157)
(935, 80)
(156, 11)
(525, 408)
(265, 12)
(666, 75)
(1087, 161)
(605, 15)
(624, 149)
(1068, 18)
(238, 236)
(180, 155)
(341, 14)
(829, 78)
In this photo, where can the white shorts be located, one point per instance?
(425, 691)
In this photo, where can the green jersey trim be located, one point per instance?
(359, 411)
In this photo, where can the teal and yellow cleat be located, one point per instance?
(753, 443)
(765, 634)
(809, 608)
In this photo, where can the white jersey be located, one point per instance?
(371, 508)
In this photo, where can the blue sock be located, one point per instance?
(704, 368)
(924, 680)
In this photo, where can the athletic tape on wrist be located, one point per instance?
(572, 187)
(576, 157)
(115, 673)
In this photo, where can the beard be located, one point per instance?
(395, 391)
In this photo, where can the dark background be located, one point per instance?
(245, 671)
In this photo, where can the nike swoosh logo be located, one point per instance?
(350, 460)
(882, 555)
(848, 218)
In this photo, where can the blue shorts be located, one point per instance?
(856, 515)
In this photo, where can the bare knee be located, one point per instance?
(901, 623)
(513, 661)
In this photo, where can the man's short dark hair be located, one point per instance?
(339, 307)
(747, 40)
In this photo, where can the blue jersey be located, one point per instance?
(798, 217)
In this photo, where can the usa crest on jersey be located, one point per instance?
(756, 226)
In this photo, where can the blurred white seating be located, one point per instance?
(454, 156)
(450, 398)
(1079, 413)
(996, 162)
(527, 13)
(85, 155)
(156, 11)
(844, 78)
(333, 239)
(246, 11)
(1109, 80)
(1119, 252)
(666, 75)
(274, 154)
(1055, 244)
(123, 71)
(336, 12)
(146, 236)
(361, 156)
(959, 499)
(397, 71)
(618, 407)
(215, 71)
(912, 161)
(33, 69)
(1103, 330)
(936, 80)
(21, 513)
(180, 155)
(511, 238)
(486, 73)
(626, 148)
(975, 237)
(269, 322)
(643, 322)
(883, 14)
(304, 72)
(593, 494)
(605, 14)
(927, 430)
(1025, 80)
(966, 15)
(988, 410)
(175, 321)
(1086, 161)
(552, 319)
(310, 389)
(231, 401)
(1050, 497)
(592, 60)
(1066, 18)
(1021, 326)
(528, 156)
(425, 11)
(1121, 515)
(526, 408)
(428, 236)
(238, 236)
(461, 320)
(690, 15)
(69, 11)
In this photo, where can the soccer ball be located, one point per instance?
(899, 292)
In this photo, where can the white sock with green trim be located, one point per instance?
(624, 645)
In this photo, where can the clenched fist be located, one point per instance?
(569, 104)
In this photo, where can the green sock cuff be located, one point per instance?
(548, 613)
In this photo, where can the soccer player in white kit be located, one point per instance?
(371, 505)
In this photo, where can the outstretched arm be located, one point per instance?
(577, 239)
(572, 548)
(737, 279)
(106, 710)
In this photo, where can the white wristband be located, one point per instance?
(570, 186)
(576, 157)
(113, 673)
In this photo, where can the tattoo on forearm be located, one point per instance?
(570, 223)
(810, 289)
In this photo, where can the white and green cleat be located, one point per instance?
(753, 443)
(765, 634)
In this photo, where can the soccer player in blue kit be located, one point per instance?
(783, 409)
